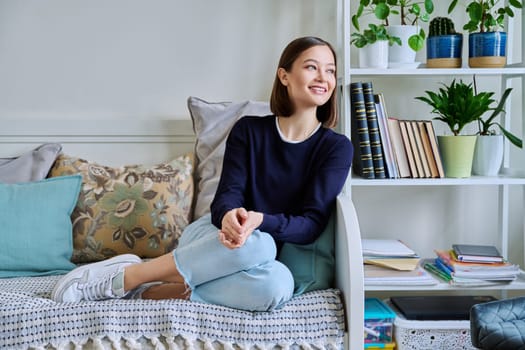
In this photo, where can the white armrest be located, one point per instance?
(349, 270)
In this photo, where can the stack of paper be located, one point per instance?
(378, 275)
(389, 253)
(391, 262)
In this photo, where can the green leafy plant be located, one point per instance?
(486, 15)
(409, 12)
(486, 126)
(457, 104)
(373, 34)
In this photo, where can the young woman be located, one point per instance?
(281, 175)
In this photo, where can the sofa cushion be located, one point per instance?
(312, 265)
(29, 166)
(129, 209)
(35, 221)
(212, 122)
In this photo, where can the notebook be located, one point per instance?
(438, 308)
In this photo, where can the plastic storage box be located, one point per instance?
(431, 335)
(382, 346)
(379, 322)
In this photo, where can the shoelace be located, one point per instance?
(99, 289)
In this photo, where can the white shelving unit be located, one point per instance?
(504, 183)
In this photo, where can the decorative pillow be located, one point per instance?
(312, 265)
(212, 122)
(129, 209)
(35, 221)
(30, 166)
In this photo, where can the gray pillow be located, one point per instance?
(212, 122)
(30, 166)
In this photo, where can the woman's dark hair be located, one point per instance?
(280, 101)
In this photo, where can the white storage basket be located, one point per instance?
(432, 335)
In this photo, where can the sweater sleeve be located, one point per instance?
(311, 216)
(232, 184)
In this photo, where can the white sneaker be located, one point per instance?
(96, 281)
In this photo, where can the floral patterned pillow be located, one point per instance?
(129, 209)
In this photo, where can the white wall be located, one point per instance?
(136, 58)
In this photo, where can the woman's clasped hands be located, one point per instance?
(237, 225)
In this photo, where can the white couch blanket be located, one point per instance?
(30, 319)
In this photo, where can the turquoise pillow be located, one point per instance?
(312, 265)
(35, 226)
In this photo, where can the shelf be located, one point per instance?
(518, 284)
(473, 180)
(508, 71)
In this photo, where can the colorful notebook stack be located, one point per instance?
(472, 265)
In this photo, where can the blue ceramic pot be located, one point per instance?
(487, 49)
(444, 51)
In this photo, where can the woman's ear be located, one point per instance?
(283, 76)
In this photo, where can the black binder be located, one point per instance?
(438, 307)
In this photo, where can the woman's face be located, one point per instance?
(312, 78)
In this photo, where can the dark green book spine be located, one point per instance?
(373, 131)
(362, 162)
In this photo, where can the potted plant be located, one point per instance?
(444, 45)
(488, 154)
(487, 43)
(373, 44)
(410, 12)
(457, 105)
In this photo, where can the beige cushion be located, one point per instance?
(212, 122)
(130, 209)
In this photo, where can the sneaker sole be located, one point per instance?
(80, 272)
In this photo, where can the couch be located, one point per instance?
(79, 153)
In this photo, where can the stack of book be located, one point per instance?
(472, 265)
(391, 262)
(388, 147)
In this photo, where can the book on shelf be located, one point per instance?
(434, 149)
(384, 133)
(420, 149)
(477, 253)
(414, 152)
(362, 162)
(408, 149)
(427, 148)
(437, 268)
(398, 148)
(431, 266)
(466, 272)
(373, 130)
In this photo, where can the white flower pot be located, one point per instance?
(488, 155)
(374, 55)
(400, 55)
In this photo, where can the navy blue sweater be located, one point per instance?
(293, 184)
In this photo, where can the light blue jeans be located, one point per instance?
(247, 278)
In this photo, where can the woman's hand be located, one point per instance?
(237, 225)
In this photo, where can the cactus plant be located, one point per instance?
(441, 26)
